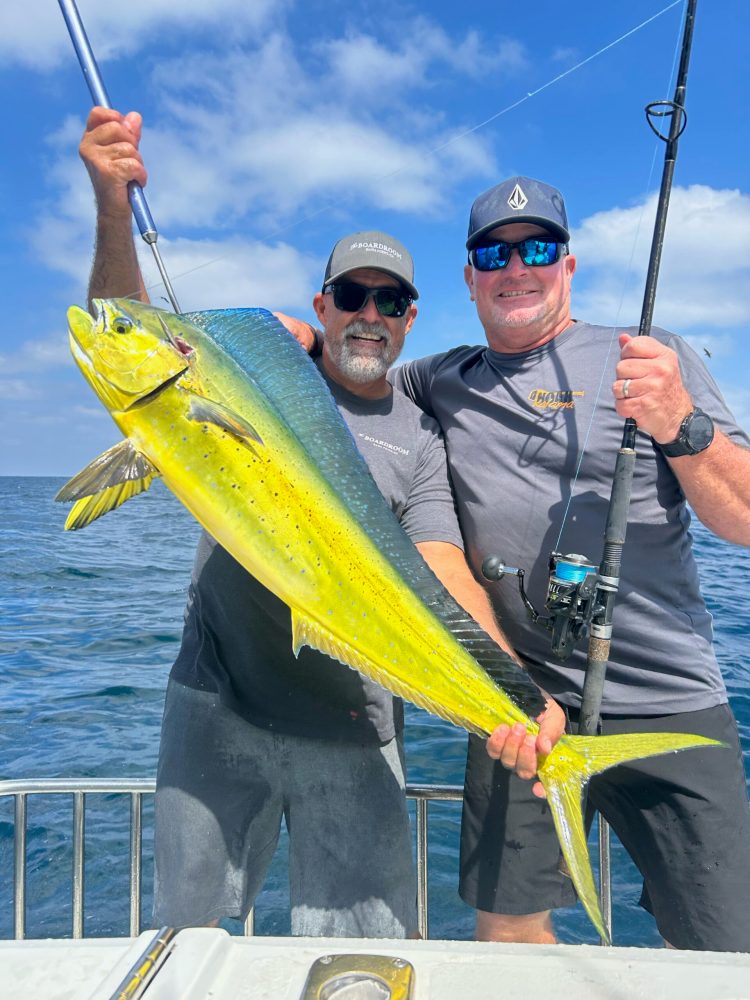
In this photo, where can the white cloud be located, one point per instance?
(362, 65)
(704, 281)
(260, 144)
(213, 274)
(33, 33)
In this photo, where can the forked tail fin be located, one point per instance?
(564, 775)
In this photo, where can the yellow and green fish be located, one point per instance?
(233, 415)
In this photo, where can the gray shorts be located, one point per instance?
(683, 818)
(223, 786)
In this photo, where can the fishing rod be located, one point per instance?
(580, 597)
(93, 78)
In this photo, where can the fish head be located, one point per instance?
(129, 350)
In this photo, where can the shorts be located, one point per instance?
(223, 787)
(683, 817)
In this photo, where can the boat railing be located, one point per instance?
(137, 789)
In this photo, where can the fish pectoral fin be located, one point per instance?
(113, 477)
(207, 411)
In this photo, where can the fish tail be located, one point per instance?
(566, 772)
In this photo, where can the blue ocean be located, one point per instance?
(89, 625)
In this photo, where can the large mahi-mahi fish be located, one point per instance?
(228, 409)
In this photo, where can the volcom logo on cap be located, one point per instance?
(518, 199)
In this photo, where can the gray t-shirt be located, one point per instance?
(237, 638)
(515, 427)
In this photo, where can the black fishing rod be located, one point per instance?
(581, 598)
(93, 78)
(608, 577)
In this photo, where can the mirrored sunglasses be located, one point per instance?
(348, 296)
(533, 252)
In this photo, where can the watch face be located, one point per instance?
(699, 432)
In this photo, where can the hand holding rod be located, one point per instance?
(99, 95)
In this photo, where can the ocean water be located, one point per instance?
(89, 625)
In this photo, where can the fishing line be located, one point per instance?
(618, 313)
(436, 149)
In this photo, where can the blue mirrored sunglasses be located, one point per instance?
(534, 252)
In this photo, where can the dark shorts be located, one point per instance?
(223, 789)
(683, 817)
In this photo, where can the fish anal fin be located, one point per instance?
(308, 632)
(207, 411)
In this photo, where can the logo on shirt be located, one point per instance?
(395, 449)
(554, 399)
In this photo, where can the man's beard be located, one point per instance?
(363, 367)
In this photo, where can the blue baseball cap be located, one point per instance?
(519, 199)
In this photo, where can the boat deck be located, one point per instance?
(209, 963)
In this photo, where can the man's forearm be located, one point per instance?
(115, 272)
(716, 483)
(449, 565)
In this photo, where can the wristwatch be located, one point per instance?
(695, 435)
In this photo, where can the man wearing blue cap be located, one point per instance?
(531, 447)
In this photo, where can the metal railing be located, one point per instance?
(136, 788)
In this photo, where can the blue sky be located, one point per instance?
(274, 127)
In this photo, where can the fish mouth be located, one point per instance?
(180, 345)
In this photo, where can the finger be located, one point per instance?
(496, 741)
(526, 760)
(134, 122)
(538, 789)
(513, 744)
(100, 116)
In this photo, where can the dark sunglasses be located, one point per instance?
(534, 252)
(350, 297)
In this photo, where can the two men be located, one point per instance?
(531, 448)
(250, 733)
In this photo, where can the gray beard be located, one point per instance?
(358, 367)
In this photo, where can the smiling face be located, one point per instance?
(521, 307)
(360, 347)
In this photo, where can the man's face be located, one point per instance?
(521, 307)
(361, 346)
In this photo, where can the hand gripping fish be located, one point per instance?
(234, 416)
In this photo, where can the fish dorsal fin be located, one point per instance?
(113, 477)
(307, 632)
(268, 354)
(208, 411)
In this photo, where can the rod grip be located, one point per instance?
(98, 91)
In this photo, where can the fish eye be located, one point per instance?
(120, 324)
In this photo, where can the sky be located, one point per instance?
(274, 127)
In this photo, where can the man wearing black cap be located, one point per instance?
(531, 445)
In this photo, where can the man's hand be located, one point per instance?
(303, 333)
(656, 398)
(109, 148)
(520, 751)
